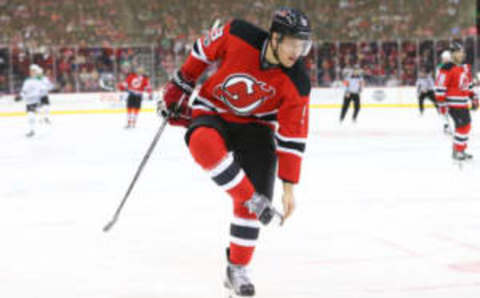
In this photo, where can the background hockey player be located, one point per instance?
(44, 109)
(261, 83)
(454, 88)
(135, 84)
(445, 58)
(353, 87)
(32, 91)
(425, 89)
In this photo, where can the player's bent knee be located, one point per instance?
(464, 129)
(207, 147)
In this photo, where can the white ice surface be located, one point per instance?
(381, 212)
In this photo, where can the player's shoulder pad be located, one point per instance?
(298, 74)
(250, 33)
(448, 66)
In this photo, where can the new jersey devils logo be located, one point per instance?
(243, 93)
(137, 82)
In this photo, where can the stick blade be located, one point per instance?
(108, 226)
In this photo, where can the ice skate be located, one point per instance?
(460, 157)
(263, 208)
(237, 282)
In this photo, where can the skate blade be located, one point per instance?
(227, 285)
(460, 163)
(229, 292)
(280, 217)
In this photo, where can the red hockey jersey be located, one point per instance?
(245, 88)
(454, 85)
(136, 84)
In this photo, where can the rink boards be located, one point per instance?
(111, 103)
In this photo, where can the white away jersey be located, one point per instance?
(32, 90)
(48, 85)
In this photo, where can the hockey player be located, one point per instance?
(135, 84)
(425, 89)
(353, 87)
(453, 91)
(251, 113)
(44, 108)
(32, 91)
(446, 58)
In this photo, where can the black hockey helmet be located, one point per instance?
(292, 22)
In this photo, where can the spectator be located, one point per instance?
(93, 29)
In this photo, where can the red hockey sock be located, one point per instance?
(135, 116)
(210, 152)
(129, 116)
(460, 139)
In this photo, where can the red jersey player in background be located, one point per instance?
(453, 91)
(250, 115)
(135, 84)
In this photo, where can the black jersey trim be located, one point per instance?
(249, 33)
(298, 146)
(448, 66)
(299, 76)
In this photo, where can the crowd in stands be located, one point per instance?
(390, 63)
(126, 21)
(78, 41)
(61, 22)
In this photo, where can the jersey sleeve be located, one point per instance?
(27, 88)
(147, 86)
(431, 84)
(468, 70)
(122, 86)
(206, 50)
(441, 84)
(48, 84)
(291, 136)
(23, 91)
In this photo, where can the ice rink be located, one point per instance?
(381, 212)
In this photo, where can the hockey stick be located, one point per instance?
(142, 164)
